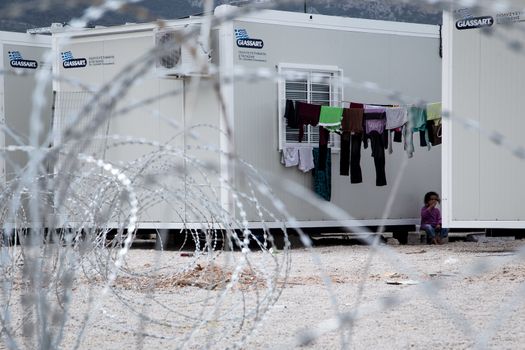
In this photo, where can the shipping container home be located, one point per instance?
(483, 87)
(338, 60)
(23, 57)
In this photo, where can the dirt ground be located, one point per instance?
(456, 296)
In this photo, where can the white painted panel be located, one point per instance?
(465, 157)
(485, 84)
(502, 88)
(201, 120)
(18, 105)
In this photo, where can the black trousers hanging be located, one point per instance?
(356, 176)
(378, 152)
(344, 163)
(324, 138)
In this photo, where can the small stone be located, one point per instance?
(392, 241)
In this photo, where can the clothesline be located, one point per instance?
(360, 123)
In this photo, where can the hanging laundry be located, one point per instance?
(417, 121)
(355, 158)
(369, 109)
(396, 117)
(290, 156)
(398, 135)
(433, 111)
(289, 114)
(437, 133)
(398, 138)
(377, 125)
(324, 137)
(344, 161)
(433, 120)
(322, 178)
(330, 117)
(434, 131)
(408, 145)
(417, 118)
(356, 105)
(351, 139)
(424, 138)
(378, 153)
(352, 120)
(307, 114)
(306, 159)
(374, 121)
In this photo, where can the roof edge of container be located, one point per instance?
(332, 22)
(274, 17)
(24, 38)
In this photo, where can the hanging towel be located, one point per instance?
(290, 156)
(417, 117)
(290, 115)
(307, 114)
(330, 117)
(306, 159)
(434, 111)
(322, 178)
(417, 121)
(396, 117)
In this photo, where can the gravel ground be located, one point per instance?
(456, 296)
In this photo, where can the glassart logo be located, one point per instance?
(68, 61)
(243, 40)
(475, 22)
(16, 61)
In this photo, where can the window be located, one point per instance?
(312, 84)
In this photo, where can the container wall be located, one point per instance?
(408, 65)
(486, 69)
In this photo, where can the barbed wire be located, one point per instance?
(93, 196)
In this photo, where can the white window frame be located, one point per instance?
(307, 72)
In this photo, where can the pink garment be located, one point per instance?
(375, 125)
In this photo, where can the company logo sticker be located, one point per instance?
(475, 22)
(244, 40)
(16, 61)
(68, 61)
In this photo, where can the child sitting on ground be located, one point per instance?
(431, 219)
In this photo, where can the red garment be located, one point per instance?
(307, 114)
(352, 120)
(356, 105)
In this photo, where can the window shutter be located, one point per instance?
(312, 85)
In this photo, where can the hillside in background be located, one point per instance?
(20, 15)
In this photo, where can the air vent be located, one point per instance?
(176, 60)
(169, 50)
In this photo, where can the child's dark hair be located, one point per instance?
(429, 195)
